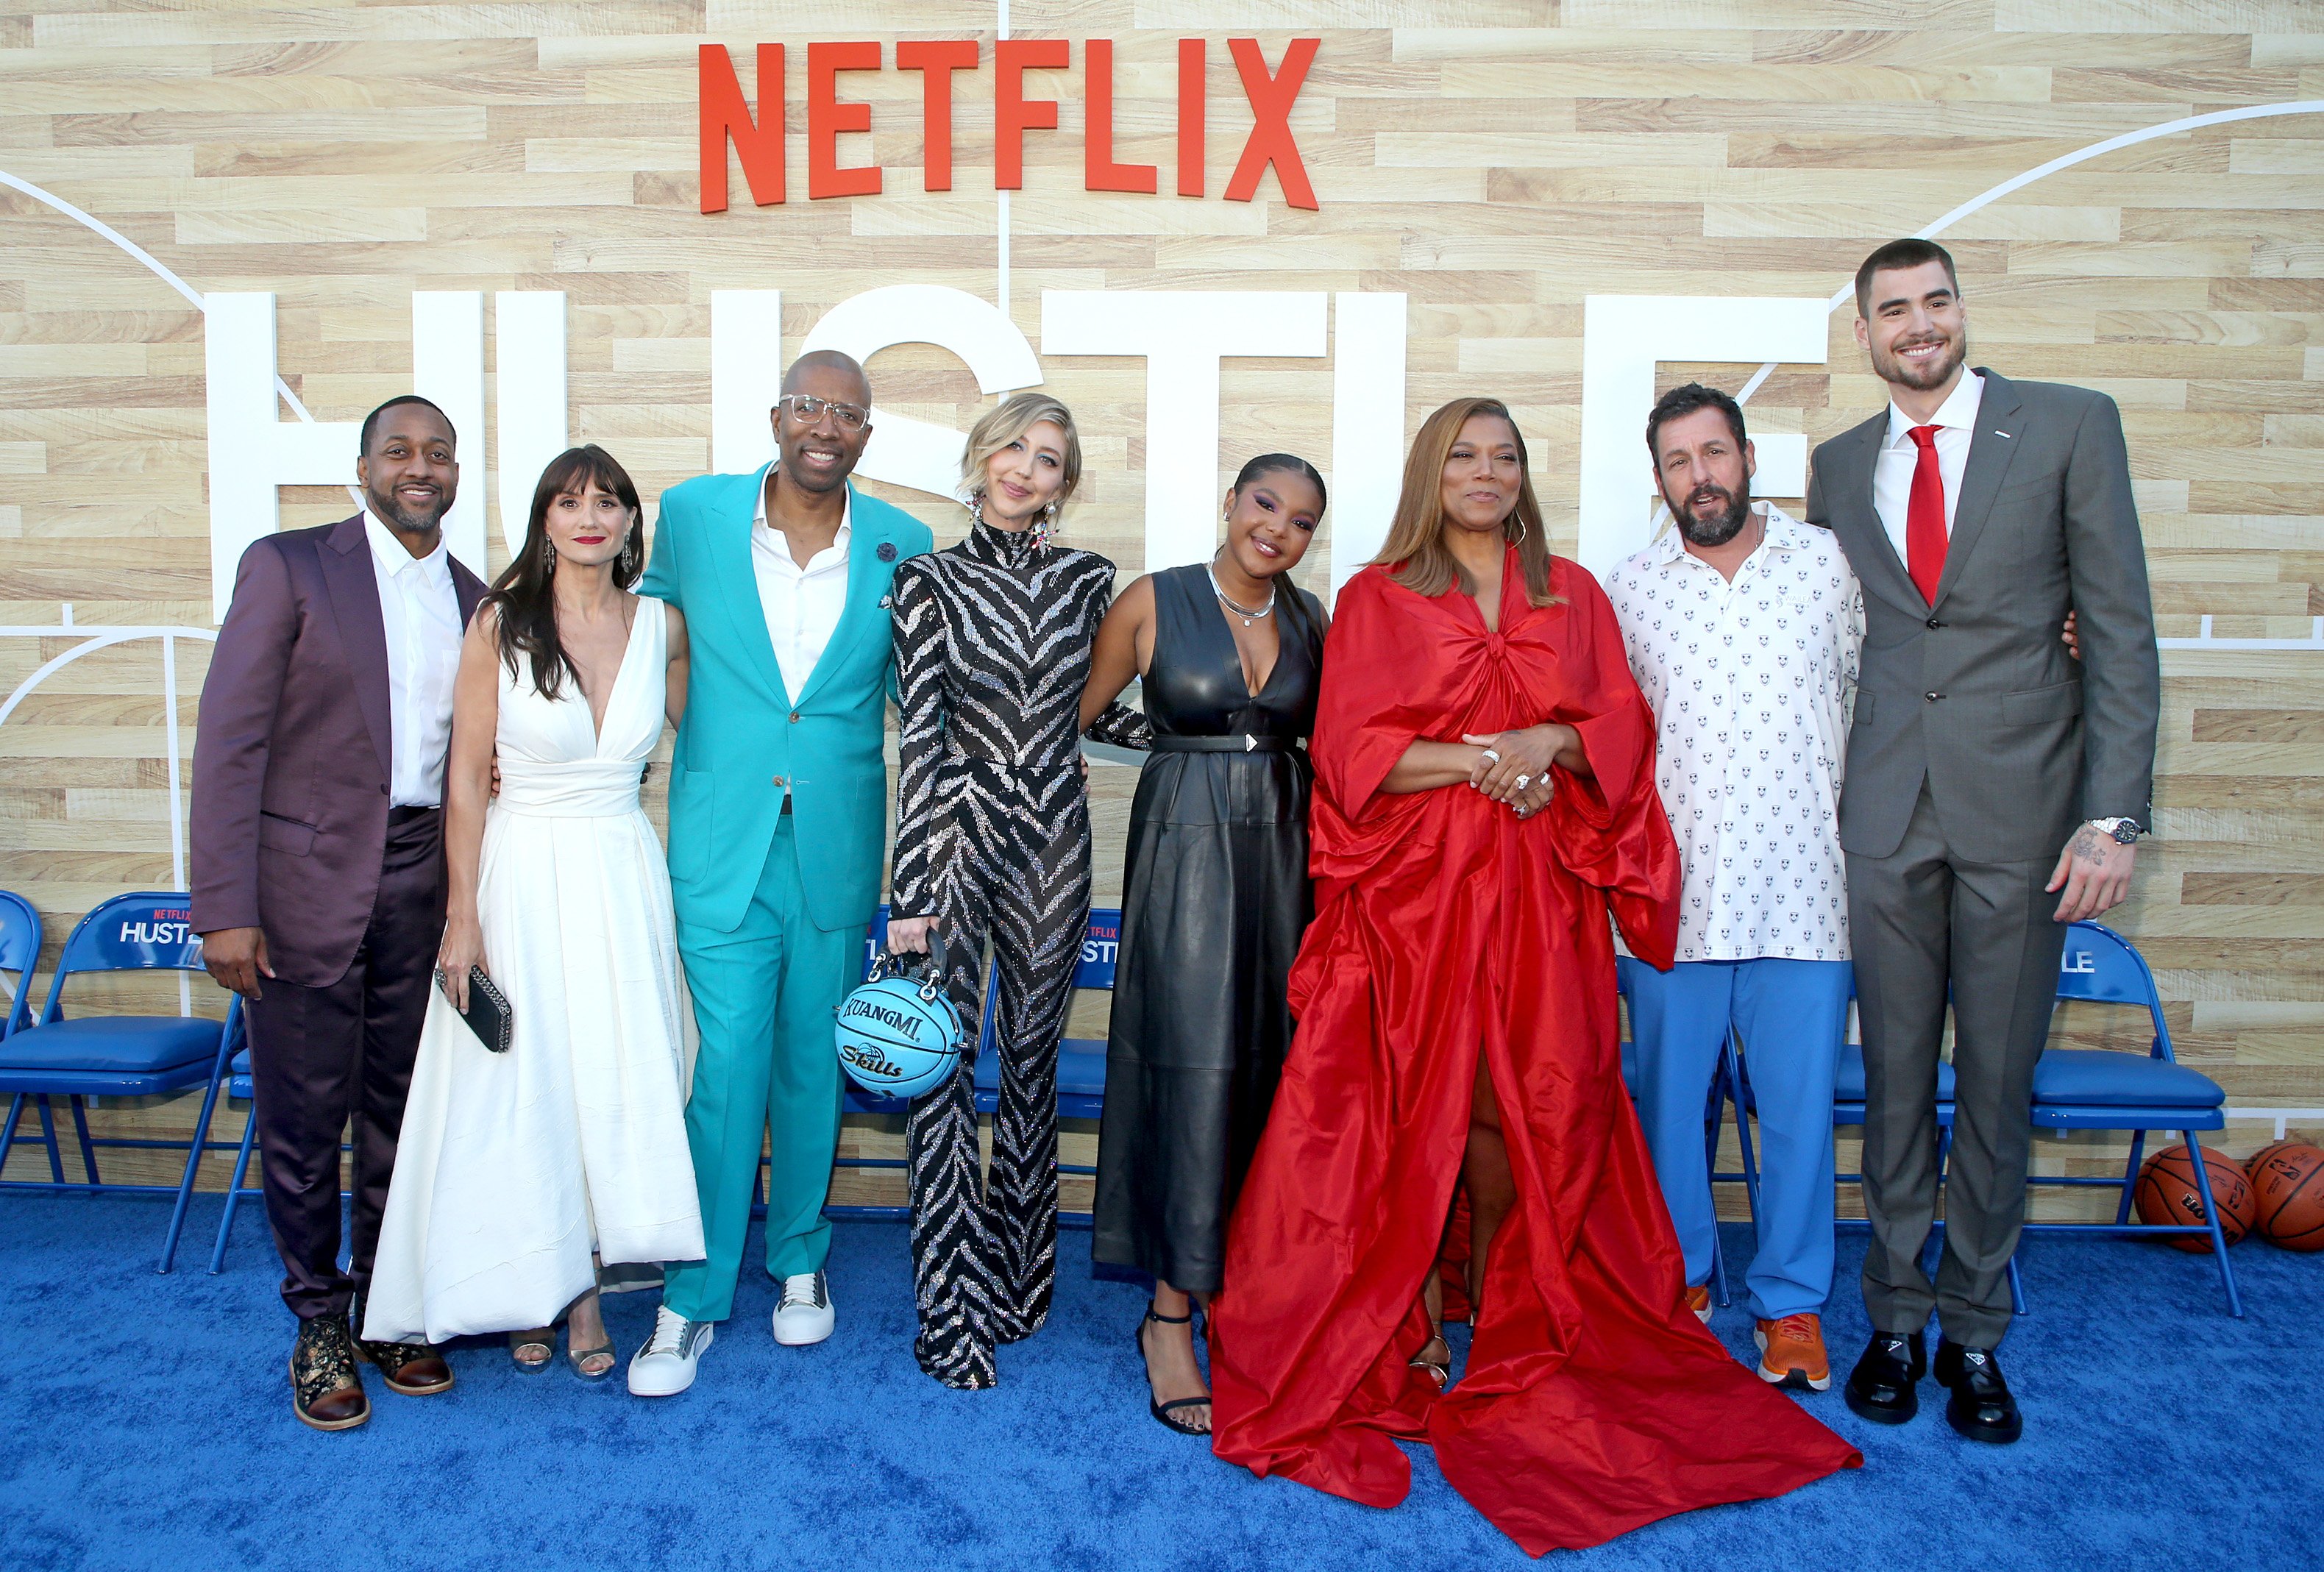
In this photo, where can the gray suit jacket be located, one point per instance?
(1975, 693)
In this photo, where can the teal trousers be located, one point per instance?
(764, 998)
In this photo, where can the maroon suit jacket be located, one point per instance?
(291, 761)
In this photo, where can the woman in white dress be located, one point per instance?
(519, 1174)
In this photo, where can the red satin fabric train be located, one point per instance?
(1593, 1402)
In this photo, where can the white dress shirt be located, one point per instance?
(1751, 681)
(1899, 455)
(802, 604)
(422, 612)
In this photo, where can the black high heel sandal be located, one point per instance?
(1163, 1411)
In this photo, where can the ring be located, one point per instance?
(1492, 754)
(1524, 781)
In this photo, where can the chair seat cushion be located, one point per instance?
(113, 1044)
(2104, 1079)
(1848, 1083)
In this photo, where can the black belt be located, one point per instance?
(399, 817)
(1241, 743)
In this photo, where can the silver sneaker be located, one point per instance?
(805, 1315)
(664, 1366)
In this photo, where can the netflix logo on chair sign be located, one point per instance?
(757, 138)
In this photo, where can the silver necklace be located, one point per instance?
(1248, 617)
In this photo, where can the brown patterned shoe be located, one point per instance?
(326, 1391)
(413, 1369)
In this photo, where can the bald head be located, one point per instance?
(822, 420)
(827, 373)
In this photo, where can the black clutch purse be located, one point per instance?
(487, 1014)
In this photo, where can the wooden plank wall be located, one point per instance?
(1495, 160)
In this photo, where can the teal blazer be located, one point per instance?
(743, 736)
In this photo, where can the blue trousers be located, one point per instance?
(1793, 1016)
(764, 996)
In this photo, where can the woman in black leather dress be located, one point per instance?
(1215, 897)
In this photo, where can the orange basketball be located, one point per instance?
(2166, 1193)
(2287, 1182)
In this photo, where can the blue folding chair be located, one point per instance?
(1848, 1098)
(2099, 1089)
(1722, 1081)
(115, 1055)
(20, 951)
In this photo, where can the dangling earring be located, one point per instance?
(976, 508)
(1521, 533)
(629, 557)
(549, 554)
(1041, 530)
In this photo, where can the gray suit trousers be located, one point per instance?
(1925, 920)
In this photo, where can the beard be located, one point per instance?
(1934, 373)
(389, 510)
(1717, 528)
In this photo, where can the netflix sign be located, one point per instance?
(757, 138)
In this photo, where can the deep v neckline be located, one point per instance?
(1250, 695)
(621, 669)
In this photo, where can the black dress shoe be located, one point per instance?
(1980, 1407)
(1880, 1387)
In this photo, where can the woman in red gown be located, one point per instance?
(1456, 1020)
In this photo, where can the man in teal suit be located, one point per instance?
(778, 819)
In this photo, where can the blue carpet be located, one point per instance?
(144, 1422)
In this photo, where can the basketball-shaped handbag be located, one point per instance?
(898, 1036)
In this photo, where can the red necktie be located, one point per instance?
(1925, 517)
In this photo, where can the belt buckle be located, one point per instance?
(1249, 743)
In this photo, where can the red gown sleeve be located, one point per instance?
(1610, 831)
(1382, 688)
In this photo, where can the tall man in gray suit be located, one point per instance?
(1994, 791)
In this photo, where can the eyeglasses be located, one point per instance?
(807, 407)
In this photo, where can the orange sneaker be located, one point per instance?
(1698, 1300)
(1791, 1353)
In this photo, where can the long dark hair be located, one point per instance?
(1415, 551)
(525, 595)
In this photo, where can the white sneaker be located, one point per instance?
(805, 1315)
(664, 1366)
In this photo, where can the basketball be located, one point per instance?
(2166, 1194)
(2287, 1182)
(898, 1037)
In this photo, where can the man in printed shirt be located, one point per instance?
(1743, 626)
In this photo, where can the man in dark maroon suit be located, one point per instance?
(319, 865)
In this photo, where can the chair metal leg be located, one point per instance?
(2211, 1216)
(2129, 1179)
(49, 1135)
(1732, 1067)
(233, 1192)
(87, 1148)
(2017, 1290)
(1713, 1120)
(194, 1154)
(8, 1131)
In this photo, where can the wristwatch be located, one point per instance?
(2126, 830)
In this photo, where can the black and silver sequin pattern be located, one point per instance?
(992, 839)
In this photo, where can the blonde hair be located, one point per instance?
(1016, 415)
(1415, 552)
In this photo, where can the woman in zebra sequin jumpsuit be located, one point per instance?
(993, 841)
